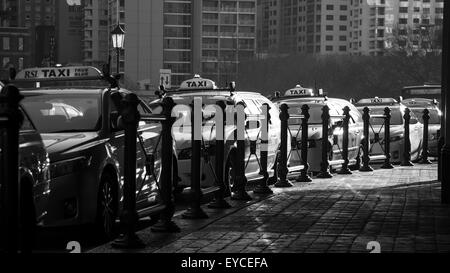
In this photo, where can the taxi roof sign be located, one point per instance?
(377, 100)
(59, 73)
(198, 83)
(299, 91)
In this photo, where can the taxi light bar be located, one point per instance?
(299, 91)
(59, 73)
(377, 100)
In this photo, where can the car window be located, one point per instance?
(59, 113)
(396, 116)
(434, 115)
(26, 125)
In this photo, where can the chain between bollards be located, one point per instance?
(195, 210)
(324, 165)
(366, 142)
(283, 182)
(129, 217)
(387, 139)
(426, 123)
(407, 141)
(219, 202)
(304, 177)
(262, 187)
(166, 224)
(346, 122)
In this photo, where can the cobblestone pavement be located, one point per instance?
(398, 208)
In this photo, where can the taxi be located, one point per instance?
(295, 98)
(417, 105)
(75, 109)
(210, 94)
(377, 106)
(34, 172)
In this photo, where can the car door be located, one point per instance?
(274, 131)
(416, 133)
(252, 137)
(148, 155)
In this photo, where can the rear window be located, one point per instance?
(434, 115)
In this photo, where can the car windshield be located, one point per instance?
(396, 119)
(315, 112)
(434, 115)
(60, 113)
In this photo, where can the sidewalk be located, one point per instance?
(398, 208)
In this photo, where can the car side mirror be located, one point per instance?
(414, 121)
(116, 121)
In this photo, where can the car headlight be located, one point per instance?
(70, 166)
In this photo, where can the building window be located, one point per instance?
(20, 44)
(6, 43)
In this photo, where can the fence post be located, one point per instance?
(325, 166)
(195, 210)
(262, 187)
(11, 119)
(129, 216)
(366, 142)
(283, 182)
(219, 201)
(240, 180)
(426, 123)
(345, 169)
(166, 186)
(387, 139)
(304, 177)
(407, 142)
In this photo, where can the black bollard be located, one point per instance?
(283, 182)
(129, 216)
(11, 120)
(240, 180)
(195, 210)
(262, 187)
(366, 142)
(219, 202)
(406, 162)
(325, 166)
(165, 223)
(304, 177)
(387, 139)
(426, 123)
(345, 169)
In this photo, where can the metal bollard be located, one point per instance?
(166, 186)
(325, 166)
(366, 142)
(11, 119)
(219, 201)
(407, 142)
(240, 180)
(304, 177)
(283, 182)
(345, 169)
(387, 139)
(426, 123)
(129, 216)
(195, 210)
(262, 187)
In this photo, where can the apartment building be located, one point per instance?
(95, 32)
(207, 37)
(377, 26)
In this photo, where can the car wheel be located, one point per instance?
(107, 207)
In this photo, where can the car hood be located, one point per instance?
(59, 146)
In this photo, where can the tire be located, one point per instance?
(107, 207)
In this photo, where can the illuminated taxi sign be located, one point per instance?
(59, 73)
(299, 91)
(198, 83)
(377, 100)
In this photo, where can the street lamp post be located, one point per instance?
(118, 39)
